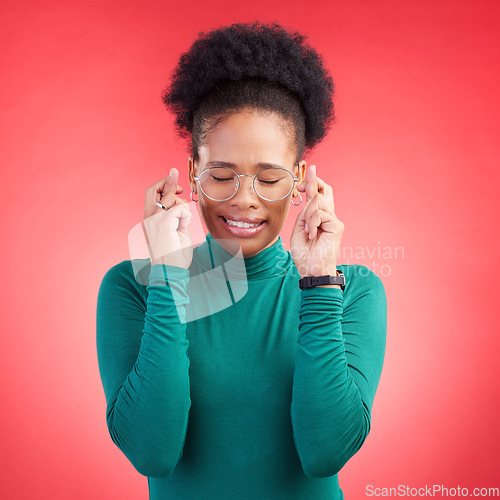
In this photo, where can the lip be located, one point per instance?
(249, 220)
(242, 232)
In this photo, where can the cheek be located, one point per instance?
(279, 212)
(206, 210)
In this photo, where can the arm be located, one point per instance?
(341, 349)
(144, 367)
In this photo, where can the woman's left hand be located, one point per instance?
(317, 233)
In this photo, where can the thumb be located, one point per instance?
(300, 222)
(182, 215)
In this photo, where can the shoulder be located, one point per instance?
(361, 280)
(128, 275)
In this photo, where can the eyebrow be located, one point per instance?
(261, 164)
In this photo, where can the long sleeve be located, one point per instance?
(144, 366)
(341, 347)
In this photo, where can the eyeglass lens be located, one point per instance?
(221, 183)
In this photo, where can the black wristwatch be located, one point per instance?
(312, 281)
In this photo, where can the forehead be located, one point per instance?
(248, 138)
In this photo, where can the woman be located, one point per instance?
(223, 378)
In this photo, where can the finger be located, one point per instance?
(324, 197)
(323, 187)
(311, 182)
(157, 188)
(319, 202)
(173, 180)
(327, 191)
(320, 218)
(176, 218)
(306, 212)
(171, 201)
(183, 213)
(169, 182)
(168, 189)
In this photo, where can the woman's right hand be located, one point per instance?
(167, 231)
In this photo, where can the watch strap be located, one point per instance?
(312, 281)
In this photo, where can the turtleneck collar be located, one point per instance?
(270, 262)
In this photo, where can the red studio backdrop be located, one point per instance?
(413, 162)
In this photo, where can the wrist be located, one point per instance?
(330, 271)
(334, 273)
(331, 280)
(323, 272)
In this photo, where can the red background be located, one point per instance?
(413, 161)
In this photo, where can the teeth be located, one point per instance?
(240, 224)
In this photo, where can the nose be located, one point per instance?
(246, 195)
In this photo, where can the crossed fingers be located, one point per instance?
(319, 209)
(168, 189)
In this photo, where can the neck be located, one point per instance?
(273, 260)
(249, 255)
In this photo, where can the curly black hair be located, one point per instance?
(254, 65)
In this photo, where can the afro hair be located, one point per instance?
(253, 52)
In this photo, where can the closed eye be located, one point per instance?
(221, 179)
(263, 181)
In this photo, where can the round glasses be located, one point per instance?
(270, 183)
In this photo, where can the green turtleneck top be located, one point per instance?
(226, 381)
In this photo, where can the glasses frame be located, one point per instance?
(295, 179)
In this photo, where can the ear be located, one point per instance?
(299, 172)
(191, 173)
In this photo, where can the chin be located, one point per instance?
(250, 246)
(250, 240)
(249, 250)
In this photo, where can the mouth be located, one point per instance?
(242, 226)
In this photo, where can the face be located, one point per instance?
(244, 141)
